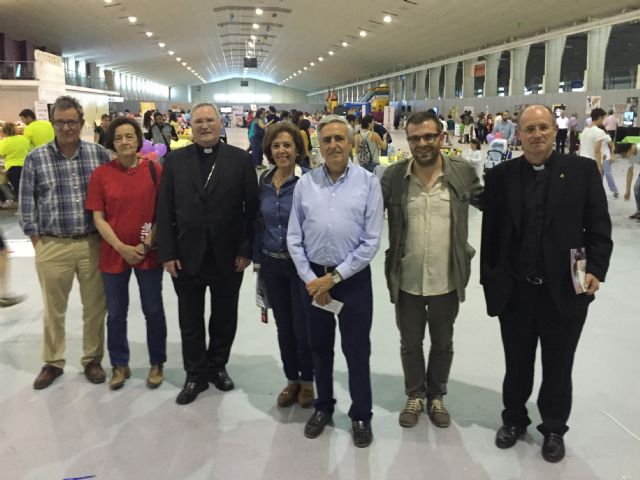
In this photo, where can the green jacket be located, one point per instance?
(464, 188)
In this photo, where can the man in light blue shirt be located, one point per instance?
(334, 232)
(507, 128)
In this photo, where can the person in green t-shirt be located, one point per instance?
(39, 132)
(14, 149)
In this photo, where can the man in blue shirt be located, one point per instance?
(334, 233)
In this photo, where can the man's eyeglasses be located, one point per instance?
(59, 124)
(427, 137)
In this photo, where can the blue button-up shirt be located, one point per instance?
(335, 224)
(507, 128)
(53, 190)
(275, 209)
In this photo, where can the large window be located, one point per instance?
(623, 56)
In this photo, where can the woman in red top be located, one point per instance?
(122, 196)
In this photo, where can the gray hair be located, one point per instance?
(66, 102)
(327, 119)
(195, 106)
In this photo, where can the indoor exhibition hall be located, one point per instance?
(319, 239)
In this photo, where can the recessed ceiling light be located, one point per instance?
(170, 52)
(344, 44)
(255, 26)
(312, 64)
(330, 52)
(320, 59)
(305, 68)
(149, 34)
(363, 33)
(108, 1)
(132, 19)
(161, 45)
(178, 59)
(299, 71)
(258, 11)
(387, 19)
(184, 64)
(295, 74)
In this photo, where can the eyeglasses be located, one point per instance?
(427, 137)
(72, 124)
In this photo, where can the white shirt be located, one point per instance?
(590, 137)
(562, 123)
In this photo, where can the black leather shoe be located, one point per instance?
(361, 433)
(190, 392)
(315, 425)
(221, 380)
(508, 435)
(553, 447)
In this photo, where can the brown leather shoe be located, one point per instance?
(46, 376)
(119, 376)
(94, 372)
(155, 377)
(306, 395)
(288, 395)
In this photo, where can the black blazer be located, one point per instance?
(576, 215)
(226, 211)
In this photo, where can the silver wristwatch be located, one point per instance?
(336, 277)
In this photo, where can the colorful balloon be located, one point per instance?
(491, 137)
(160, 149)
(147, 147)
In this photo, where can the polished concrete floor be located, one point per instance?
(74, 429)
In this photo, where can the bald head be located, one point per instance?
(537, 131)
(536, 108)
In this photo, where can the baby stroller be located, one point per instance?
(499, 151)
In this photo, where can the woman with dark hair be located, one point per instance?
(305, 125)
(147, 120)
(122, 195)
(256, 134)
(369, 144)
(283, 147)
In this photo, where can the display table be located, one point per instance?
(631, 140)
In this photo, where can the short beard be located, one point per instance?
(428, 162)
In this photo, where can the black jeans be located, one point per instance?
(561, 139)
(283, 291)
(355, 326)
(530, 316)
(199, 359)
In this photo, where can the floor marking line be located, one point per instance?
(621, 426)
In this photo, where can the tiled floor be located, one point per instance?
(75, 429)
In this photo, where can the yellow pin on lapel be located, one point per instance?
(562, 175)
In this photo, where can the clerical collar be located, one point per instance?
(538, 168)
(205, 151)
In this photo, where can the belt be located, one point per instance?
(278, 255)
(69, 237)
(323, 268)
(535, 280)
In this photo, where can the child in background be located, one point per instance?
(476, 159)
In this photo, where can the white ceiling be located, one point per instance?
(211, 35)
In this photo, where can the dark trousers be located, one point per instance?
(283, 291)
(413, 314)
(256, 149)
(199, 359)
(13, 175)
(573, 142)
(561, 139)
(530, 316)
(116, 289)
(355, 326)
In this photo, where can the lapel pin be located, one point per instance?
(562, 175)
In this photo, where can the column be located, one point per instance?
(518, 70)
(597, 41)
(399, 88)
(491, 75)
(553, 51)
(468, 78)
(450, 70)
(421, 90)
(434, 83)
(392, 89)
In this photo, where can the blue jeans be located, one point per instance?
(608, 174)
(116, 289)
(282, 285)
(636, 193)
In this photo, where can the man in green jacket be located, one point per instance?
(428, 262)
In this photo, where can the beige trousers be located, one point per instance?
(58, 261)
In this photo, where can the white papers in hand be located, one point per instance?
(334, 306)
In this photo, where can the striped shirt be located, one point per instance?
(53, 190)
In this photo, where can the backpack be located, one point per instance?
(365, 155)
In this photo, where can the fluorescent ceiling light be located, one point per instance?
(161, 45)
(149, 34)
(330, 52)
(387, 19)
(255, 26)
(132, 19)
(320, 59)
(170, 52)
(363, 33)
(344, 44)
(258, 11)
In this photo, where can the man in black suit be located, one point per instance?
(207, 204)
(538, 208)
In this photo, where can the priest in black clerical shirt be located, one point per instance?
(207, 204)
(538, 208)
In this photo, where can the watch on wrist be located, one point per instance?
(336, 277)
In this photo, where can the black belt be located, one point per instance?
(69, 237)
(535, 280)
(278, 255)
(323, 268)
